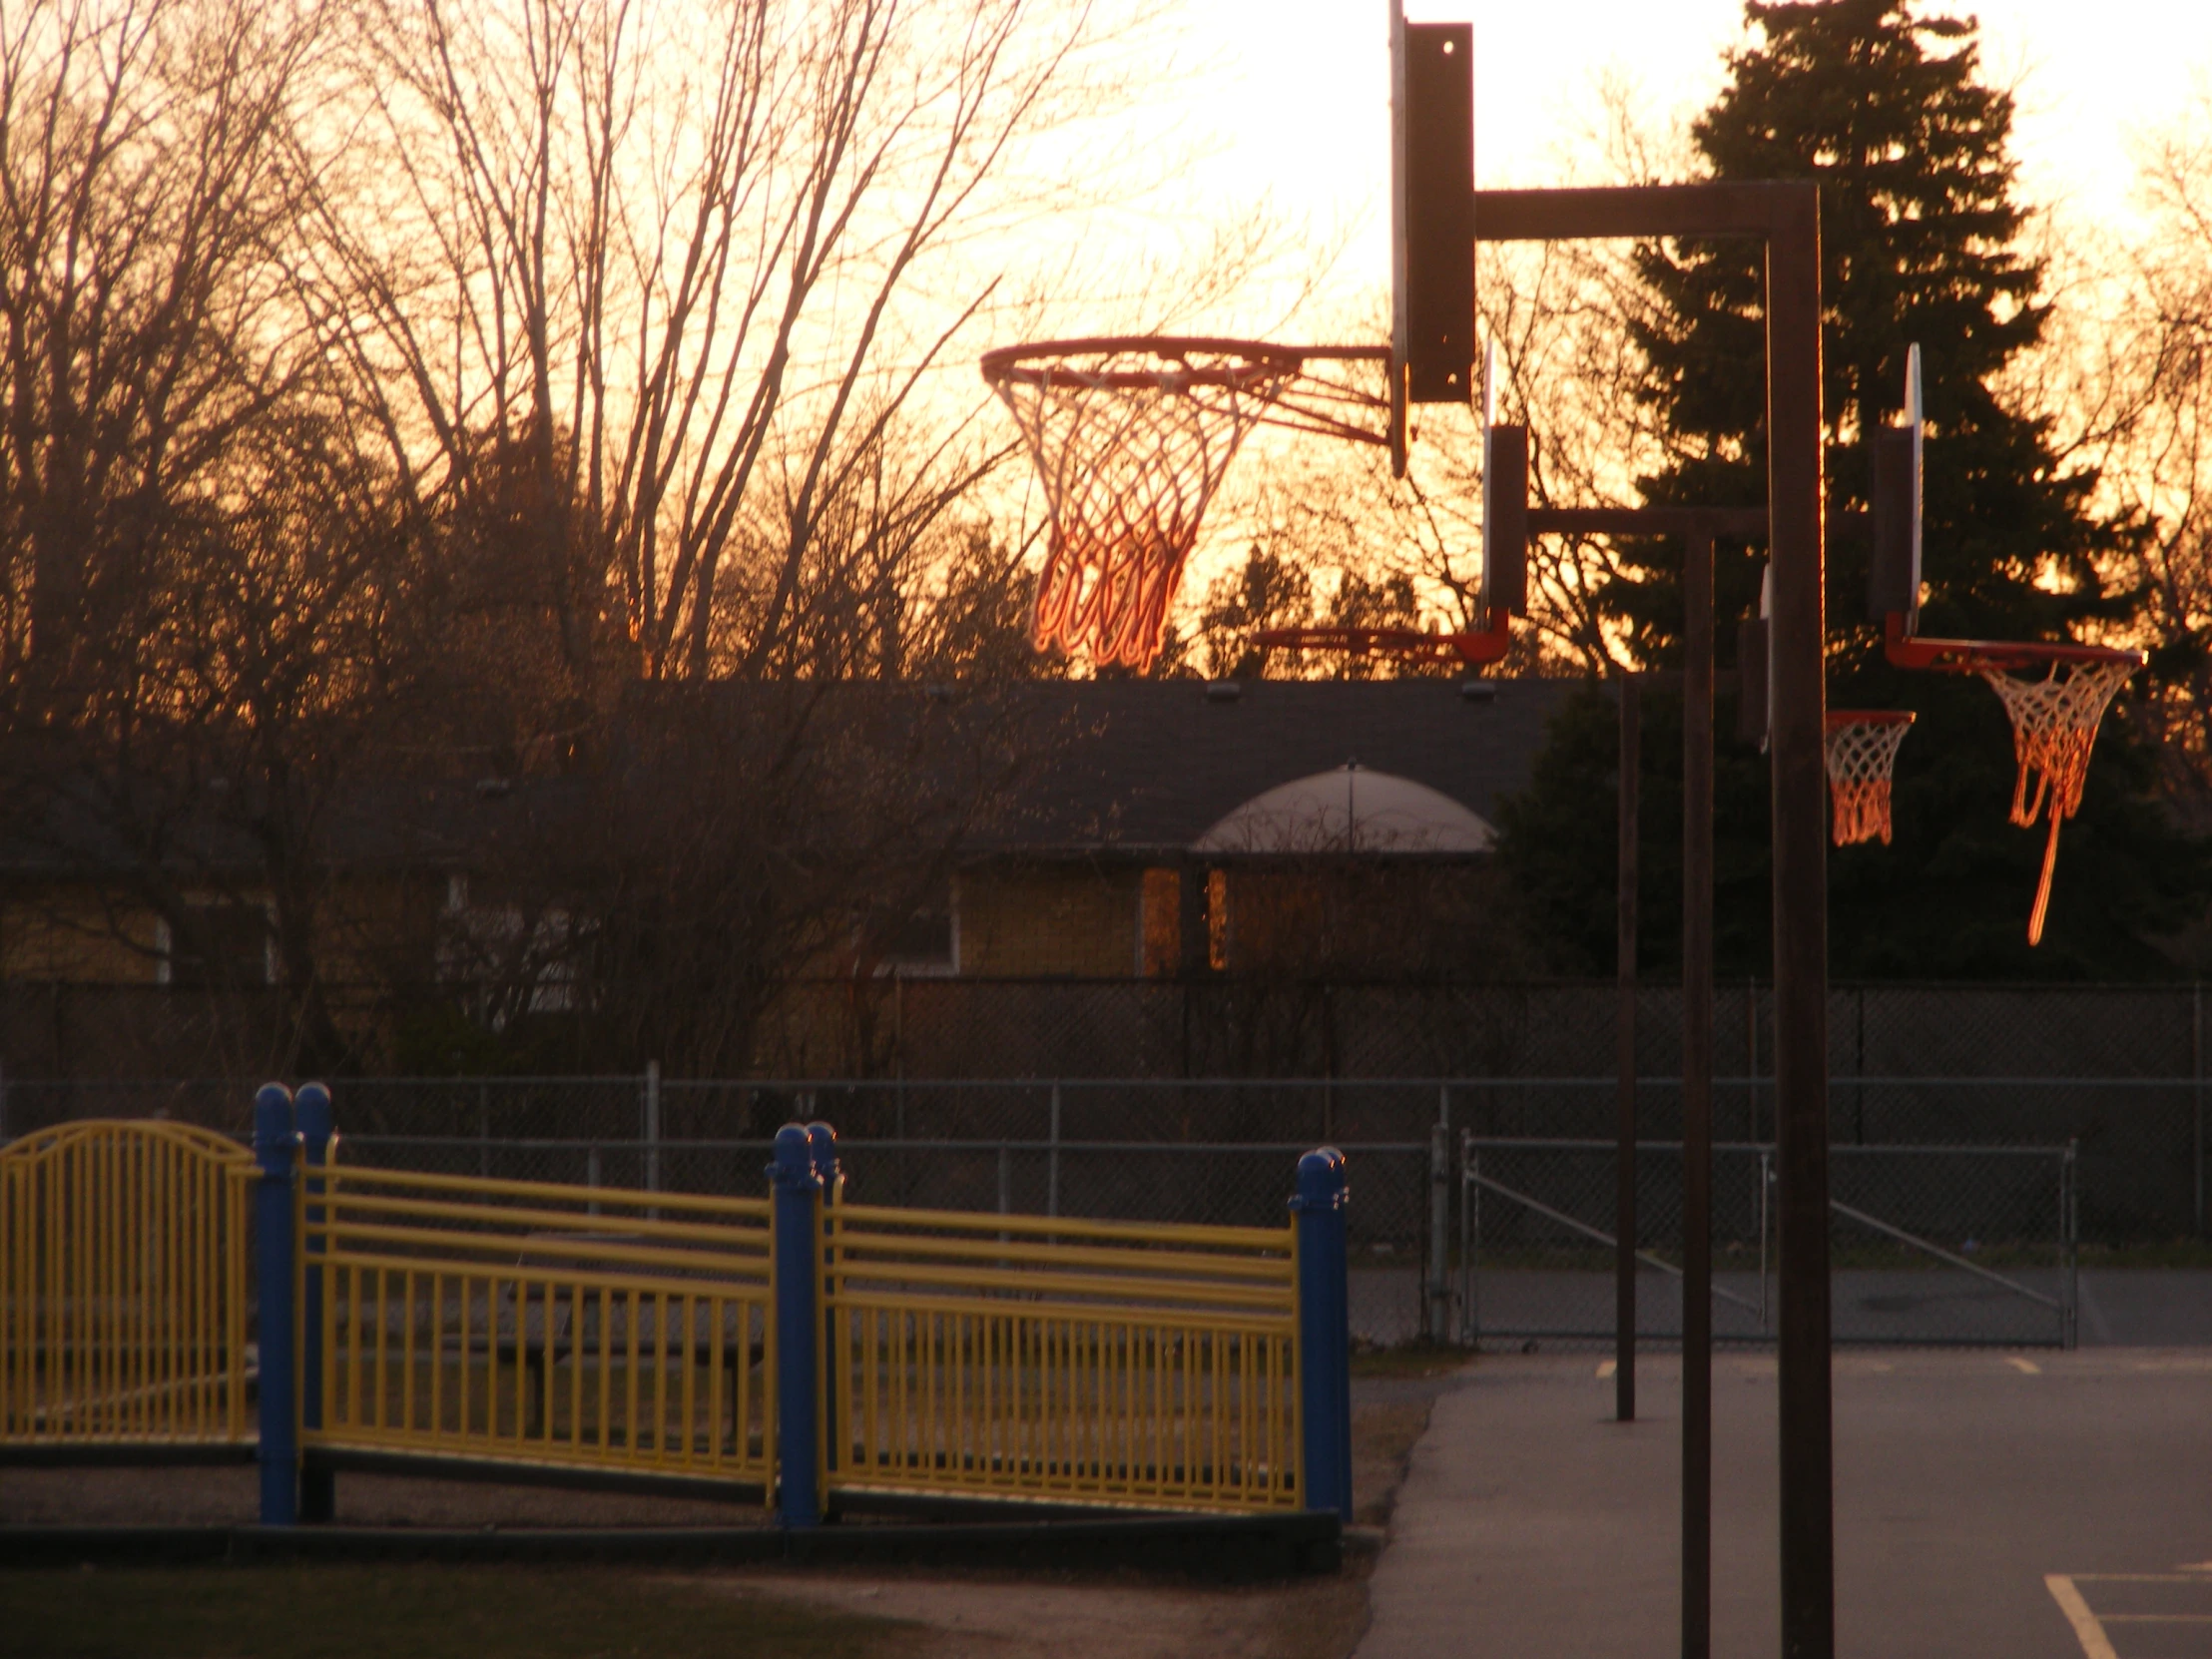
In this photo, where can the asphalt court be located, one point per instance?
(2138, 1615)
(2029, 1505)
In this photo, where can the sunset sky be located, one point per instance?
(1297, 87)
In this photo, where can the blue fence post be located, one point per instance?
(822, 1145)
(276, 1146)
(796, 1190)
(312, 1108)
(1324, 1331)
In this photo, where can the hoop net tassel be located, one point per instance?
(1861, 751)
(2054, 728)
(1127, 473)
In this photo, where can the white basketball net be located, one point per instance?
(2054, 727)
(1861, 755)
(1127, 472)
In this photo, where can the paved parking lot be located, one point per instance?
(2024, 1505)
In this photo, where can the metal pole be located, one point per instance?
(1697, 1097)
(1053, 1168)
(1436, 1314)
(1751, 1067)
(2070, 1243)
(1765, 1183)
(275, 1143)
(795, 1196)
(312, 1114)
(653, 1127)
(1470, 1222)
(1799, 842)
(2196, 1074)
(1324, 1384)
(1624, 1046)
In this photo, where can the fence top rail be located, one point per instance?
(338, 1178)
(347, 1210)
(859, 1252)
(1128, 1233)
(1096, 1292)
(1835, 1148)
(63, 1136)
(1251, 1315)
(689, 1276)
(634, 1082)
(523, 1257)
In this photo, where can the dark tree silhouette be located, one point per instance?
(1881, 101)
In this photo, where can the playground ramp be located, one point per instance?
(596, 1335)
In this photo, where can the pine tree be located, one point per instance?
(1882, 102)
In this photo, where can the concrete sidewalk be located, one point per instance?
(1532, 1524)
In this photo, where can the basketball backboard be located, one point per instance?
(1893, 575)
(1432, 209)
(1505, 503)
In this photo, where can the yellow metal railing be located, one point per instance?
(123, 1286)
(581, 1326)
(1093, 1363)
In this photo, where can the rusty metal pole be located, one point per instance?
(1795, 434)
(1787, 217)
(1696, 1098)
(1624, 1044)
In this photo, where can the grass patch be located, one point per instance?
(1408, 1360)
(422, 1612)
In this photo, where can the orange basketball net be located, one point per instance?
(2054, 727)
(1131, 438)
(1861, 751)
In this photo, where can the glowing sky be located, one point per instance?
(1296, 91)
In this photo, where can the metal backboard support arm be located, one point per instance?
(1787, 217)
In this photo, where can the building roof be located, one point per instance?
(1350, 809)
(1139, 766)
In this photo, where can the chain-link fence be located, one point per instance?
(2142, 1160)
(1512, 1246)
(2120, 1070)
(1952, 1246)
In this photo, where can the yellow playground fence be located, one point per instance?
(793, 1348)
(123, 1288)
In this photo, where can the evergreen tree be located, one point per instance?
(1881, 103)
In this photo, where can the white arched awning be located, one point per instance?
(1350, 809)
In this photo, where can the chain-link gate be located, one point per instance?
(1944, 1246)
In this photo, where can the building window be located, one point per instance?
(221, 942)
(1160, 924)
(924, 943)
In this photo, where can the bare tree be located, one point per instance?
(685, 275)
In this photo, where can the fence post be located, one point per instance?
(2196, 1093)
(311, 1110)
(796, 1192)
(1436, 1314)
(2069, 1237)
(653, 1127)
(275, 1145)
(1324, 1331)
(822, 1145)
(1470, 1237)
(1053, 1168)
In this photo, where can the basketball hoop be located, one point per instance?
(1861, 751)
(2055, 697)
(1131, 437)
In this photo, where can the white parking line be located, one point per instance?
(2087, 1631)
